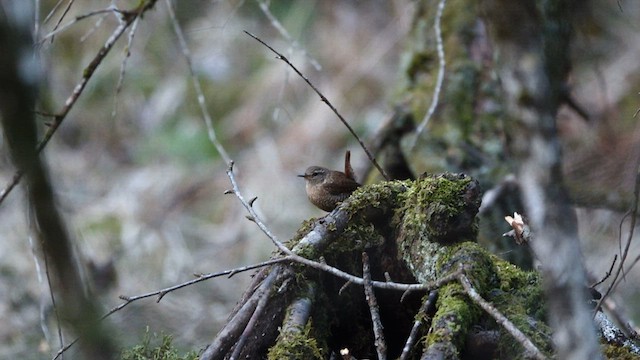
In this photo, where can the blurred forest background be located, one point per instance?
(141, 186)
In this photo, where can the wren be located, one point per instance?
(326, 188)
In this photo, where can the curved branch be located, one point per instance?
(326, 101)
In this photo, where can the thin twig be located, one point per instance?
(381, 346)
(324, 100)
(98, 23)
(620, 229)
(200, 277)
(254, 215)
(376, 284)
(123, 67)
(285, 34)
(61, 352)
(531, 348)
(607, 274)
(162, 292)
(633, 263)
(423, 314)
(64, 13)
(129, 17)
(196, 85)
(344, 287)
(49, 290)
(625, 253)
(109, 10)
(54, 9)
(439, 80)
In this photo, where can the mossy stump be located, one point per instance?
(413, 232)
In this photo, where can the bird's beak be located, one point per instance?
(302, 175)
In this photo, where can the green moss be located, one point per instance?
(432, 205)
(433, 222)
(297, 345)
(425, 219)
(429, 215)
(519, 296)
(452, 321)
(148, 350)
(478, 263)
(360, 232)
(434, 241)
(372, 196)
(618, 352)
(356, 237)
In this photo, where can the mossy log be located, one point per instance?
(413, 232)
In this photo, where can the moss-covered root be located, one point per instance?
(450, 324)
(296, 345)
(296, 340)
(456, 313)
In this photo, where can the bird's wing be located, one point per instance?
(342, 188)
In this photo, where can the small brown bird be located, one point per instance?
(326, 188)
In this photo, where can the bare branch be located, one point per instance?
(128, 18)
(123, 66)
(439, 80)
(427, 307)
(500, 319)
(162, 292)
(381, 346)
(625, 253)
(285, 34)
(200, 277)
(254, 215)
(326, 101)
(196, 85)
(55, 8)
(108, 10)
(607, 274)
